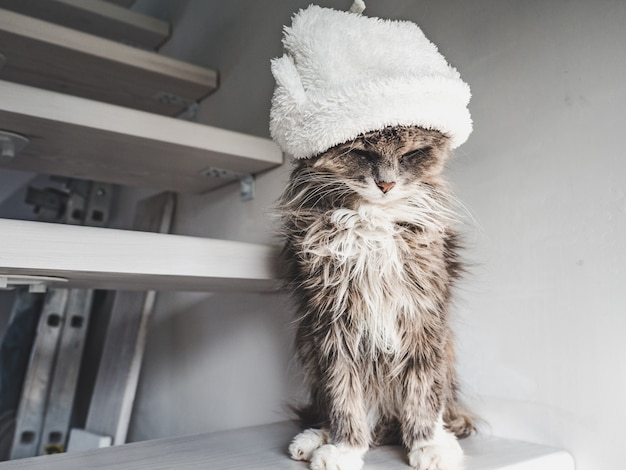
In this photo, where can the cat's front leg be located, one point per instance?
(430, 445)
(312, 445)
(349, 434)
(338, 457)
(304, 444)
(441, 452)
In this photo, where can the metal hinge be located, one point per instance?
(11, 144)
(246, 180)
(80, 202)
(191, 106)
(35, 284)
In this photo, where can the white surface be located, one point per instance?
(122, 259)
(542, 312)
(76, 137)
(265, 448)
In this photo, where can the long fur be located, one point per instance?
(371, 273)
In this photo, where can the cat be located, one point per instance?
(370, 257)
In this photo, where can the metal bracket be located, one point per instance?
(49, 204)
(98, 204)
(10, 143)
(32, 409)
(246, 180)
(246, 187)
(191, 106)
(81, 202)
(36, 284)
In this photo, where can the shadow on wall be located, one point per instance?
(215, 362)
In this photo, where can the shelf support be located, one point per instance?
(246, 180)
(191, 106)
(10, 143)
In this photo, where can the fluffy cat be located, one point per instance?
(370, 258)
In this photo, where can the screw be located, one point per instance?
(8, 149)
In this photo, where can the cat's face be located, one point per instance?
(386, 166)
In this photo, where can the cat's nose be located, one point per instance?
(384, 186)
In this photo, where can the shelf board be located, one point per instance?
(96, 17)
(57, 58)
(124, 3)
(128, 260)
(80, 138)
(264, 447)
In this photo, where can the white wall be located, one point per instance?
(544, 311)
(541, 316)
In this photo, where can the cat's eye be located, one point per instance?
(367, 155)
(416, 154)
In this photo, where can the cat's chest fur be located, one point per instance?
(378, 266)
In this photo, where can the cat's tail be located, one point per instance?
(308, 416)
(459, 420)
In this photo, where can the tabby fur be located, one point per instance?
(370, 258)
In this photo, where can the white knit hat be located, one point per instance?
(344, 74)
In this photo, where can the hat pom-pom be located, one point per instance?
(358, 7)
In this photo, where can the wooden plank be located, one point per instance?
(127, 260)
(61, 59)
(265, 447)
(96, 17)
(118, 373)
(86, 139)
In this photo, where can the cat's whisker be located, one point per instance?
(371, 275)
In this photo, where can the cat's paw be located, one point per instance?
(303, 445)
(442, 454)
(332, 457)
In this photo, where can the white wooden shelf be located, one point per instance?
(124, 3)
(128, 260)
(96, 17)
(57, 58)
(264, 447)
(75, 137)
